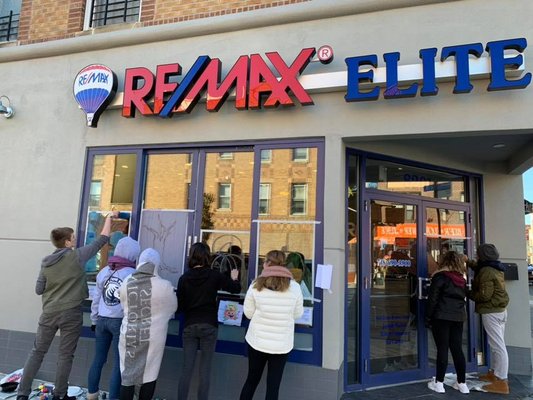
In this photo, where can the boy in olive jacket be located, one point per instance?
(491, 298)
(63, 287)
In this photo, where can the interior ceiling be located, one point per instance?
(516, 154)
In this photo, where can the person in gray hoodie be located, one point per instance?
(63, 287)
(107, 314)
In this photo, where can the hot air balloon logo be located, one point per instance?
(94, 88)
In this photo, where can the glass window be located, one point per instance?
(266, 156)
(109, 12)
(168, 180)
(224, 196)
(264, 198)
(111, 189)
(300, 154)
(9, 20)
(225, 156)
(400, 178)
(298, 199)
(95, 194)
(226, 226)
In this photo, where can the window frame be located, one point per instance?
(300, 159)
(269, 191)
(305, 186)
(219, 196)
(87, 20)
(174, 339)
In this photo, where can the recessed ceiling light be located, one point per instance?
(498, 146)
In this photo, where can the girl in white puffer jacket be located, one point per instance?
(272, 304)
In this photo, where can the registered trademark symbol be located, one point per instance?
(325, 54)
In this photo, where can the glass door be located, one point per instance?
(392, 282)
(446, 228)
(407, 239)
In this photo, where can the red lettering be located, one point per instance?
(289, 76)
(135, 97)
(162, 84)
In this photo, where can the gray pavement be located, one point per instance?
(521, 387)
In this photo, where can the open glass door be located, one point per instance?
(394, 336)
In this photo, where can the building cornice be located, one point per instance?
(103, 39)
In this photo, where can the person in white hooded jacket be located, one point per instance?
(149, 302)
(273, 302)
(107, 314)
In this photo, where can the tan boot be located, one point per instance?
(488, 377)
(93, 396)
(499, 386)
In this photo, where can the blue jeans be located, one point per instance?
(107, 335)
(201, 337)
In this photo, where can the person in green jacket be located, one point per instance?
(63, 287)
(491, 298)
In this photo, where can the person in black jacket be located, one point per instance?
(197, 300)
(445, 315)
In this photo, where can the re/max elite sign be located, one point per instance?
(256, 82)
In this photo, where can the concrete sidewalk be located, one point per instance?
(521, 387)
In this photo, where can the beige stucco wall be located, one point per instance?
(43, 146)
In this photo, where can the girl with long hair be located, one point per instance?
(445, 315)
(273, 302)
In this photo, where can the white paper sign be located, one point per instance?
(306, 318)
(323, 276)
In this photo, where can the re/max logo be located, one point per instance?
(255, 84)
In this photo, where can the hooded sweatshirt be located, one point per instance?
(197, 294)
(62, 282)
(149, 302)
(447, 297)
(106, 301)
(488, 287)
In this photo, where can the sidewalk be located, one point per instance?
(521, 387)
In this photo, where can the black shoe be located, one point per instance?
(66, 397)
(22, 397)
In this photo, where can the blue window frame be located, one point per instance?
(308, 347)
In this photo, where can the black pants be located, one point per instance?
(146, 392)
(449, 335)
(256, 364)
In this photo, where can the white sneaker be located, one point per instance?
(462, 387)
(436, 386)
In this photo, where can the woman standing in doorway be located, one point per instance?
(272, 304)
(197, 300)
(445, 315)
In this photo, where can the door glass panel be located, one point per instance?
(393, 300)
(227, 211)
(111, 189)
(406, 179)
(352, 292)
(445, 230)
(168, 181)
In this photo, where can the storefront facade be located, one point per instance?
(364, 172)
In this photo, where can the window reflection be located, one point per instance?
(227, 210)
(168, 180)
(399, 178)
(111, 189)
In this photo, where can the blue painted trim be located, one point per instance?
(199, 151)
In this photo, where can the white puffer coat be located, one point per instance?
(272, 316)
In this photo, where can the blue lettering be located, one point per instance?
(392, 91)
(355, 77)
(499, 63)
(461, 54)
(429, 87)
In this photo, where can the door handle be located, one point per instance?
(423, 284)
